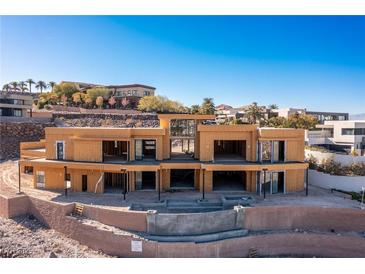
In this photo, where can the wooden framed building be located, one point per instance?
(185, 152)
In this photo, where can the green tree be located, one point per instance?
(41, 85)
(160, 104)
(99, 101)
(6, 88)
(66, 89)
(278, 122)
(207, 106)
(94, 93)
(195, 109)
(302, 121)
(254, 113)
(273, 106)
(294, 121)
(23, 86)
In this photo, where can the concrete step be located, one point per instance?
(200, 238)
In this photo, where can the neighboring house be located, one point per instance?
(132, 93)
(15, 104)
(319, 115)
(345, 136)
(185, 152)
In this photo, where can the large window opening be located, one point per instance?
(145, 149)
(145, 180)
(229, 150)
(182, 148)
(182, 128)
(114, 182)
(278, 151)
(272, 151)
(272, 181)
(115, 151)
(229, 180)
(182, 178)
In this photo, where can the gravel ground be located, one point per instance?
(25, 237)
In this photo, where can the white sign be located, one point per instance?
(136, 246)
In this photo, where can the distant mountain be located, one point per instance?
(360, 116)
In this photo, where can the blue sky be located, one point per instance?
(317, 62)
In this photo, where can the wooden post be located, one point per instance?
(306, 181)
(65, 175)
(19, 178)
(159, 185)
(203, 184)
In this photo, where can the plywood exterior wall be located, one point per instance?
(92, 180)
(83, 152)
(294, 180)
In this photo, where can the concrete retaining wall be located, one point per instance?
(126, 220)
(194, 223)
(14, 206)
(285, 217)
(55, 215)
(327, 181)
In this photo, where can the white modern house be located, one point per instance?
(345, 136)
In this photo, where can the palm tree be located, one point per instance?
(208, 106)
(14, 86)
(254, 113)
(41, 85)
(273, 106)
(23, 86)
(30, 83)
(51, 84)
(6, 88)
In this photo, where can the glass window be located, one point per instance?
(17, 112)
(139, 151)
(348, 131)
(266, 151)
(40, 179)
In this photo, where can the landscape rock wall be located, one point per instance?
(15, 130)
(106, 120)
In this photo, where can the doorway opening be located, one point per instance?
(182, 178)
(114, 182)
(229, 180)
(145, 180)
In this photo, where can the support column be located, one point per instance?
(203, 170)
(159, 184)
(306, 181)
(65, 178)
(19, 178)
